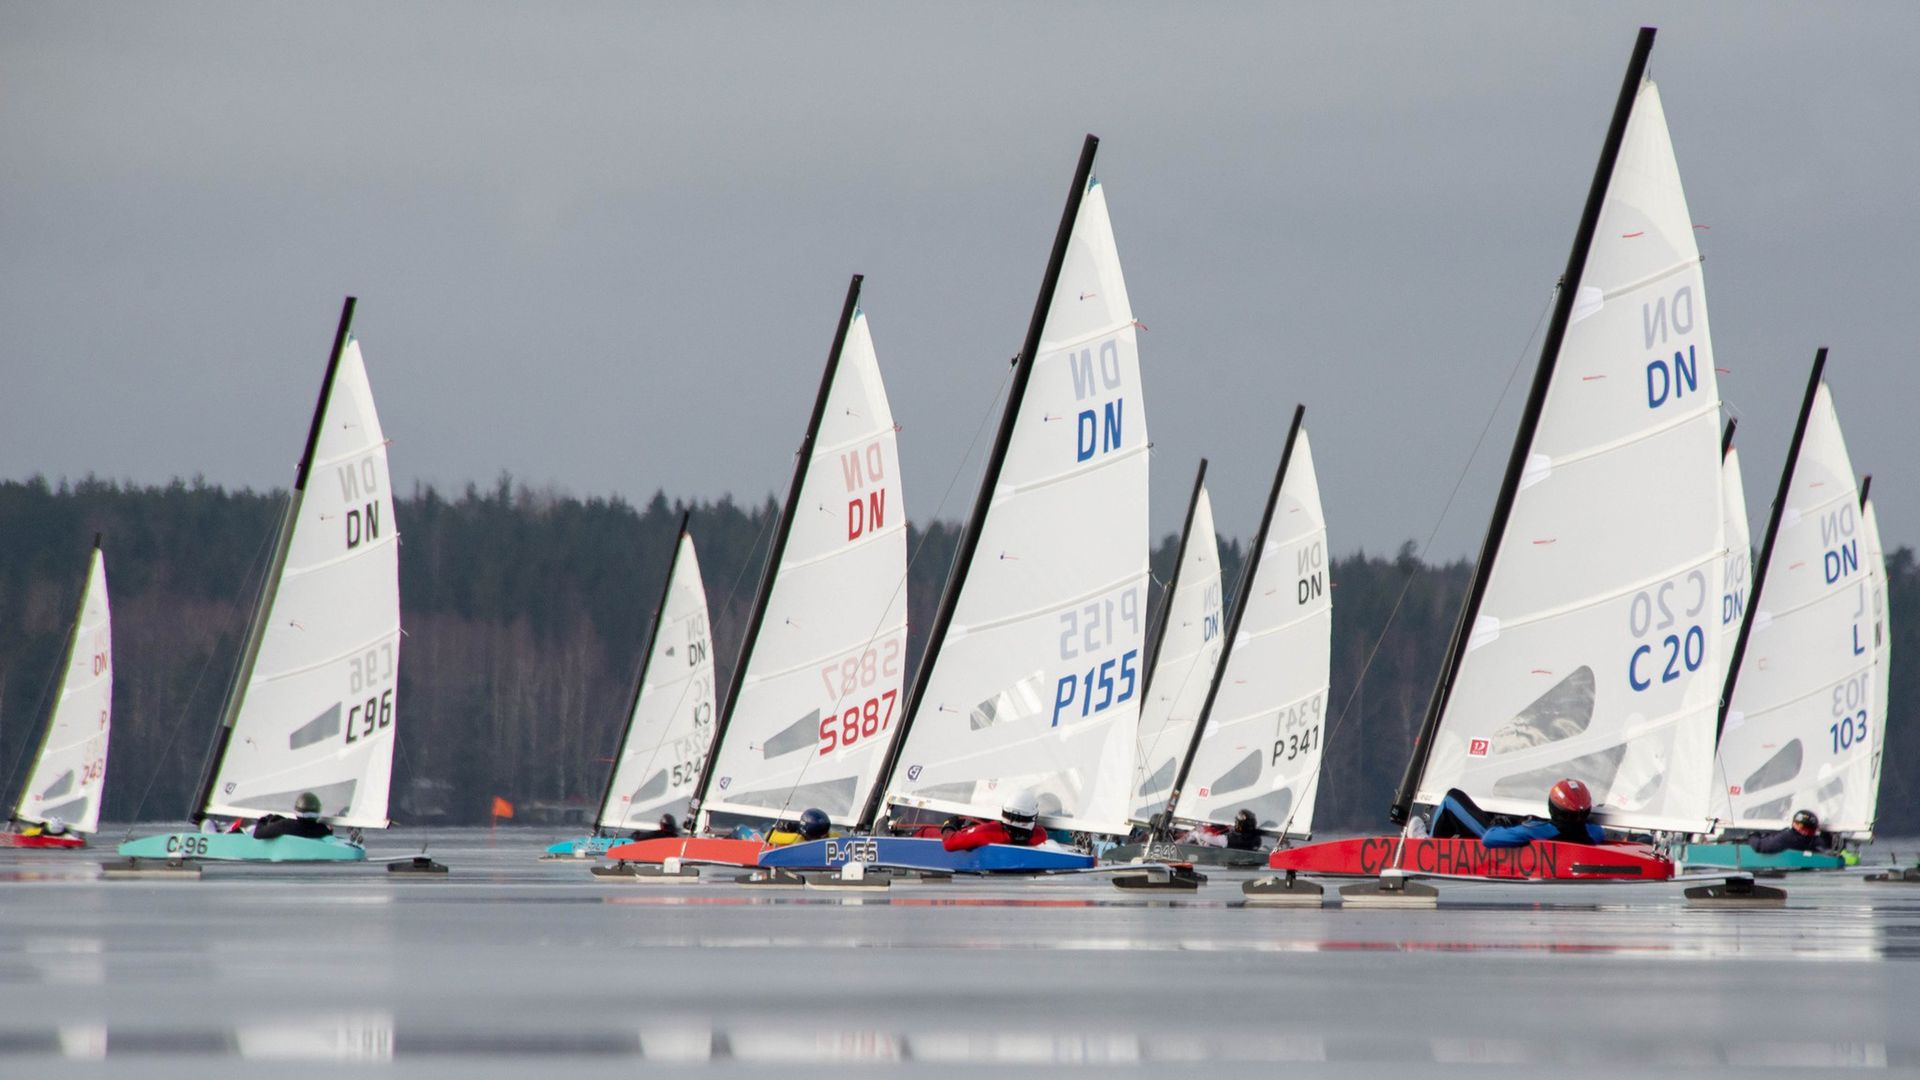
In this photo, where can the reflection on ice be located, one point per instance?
(375, 1038)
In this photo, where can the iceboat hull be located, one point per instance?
(694, 849)
(1541, 860)
(918, 853)
(42, 843)
(239, 847)
(1743, 857)
(582, 847)
(1168, 851)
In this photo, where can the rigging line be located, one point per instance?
(186, 706)
(912, 557)
(1420, 564)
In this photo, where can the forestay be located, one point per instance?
(1183, 667)
(1037, 681)
(70, 772)
(315, 709)
(1799, 728)
(1261, 746)
(671, 726)
(821, 691)
(1595, 650)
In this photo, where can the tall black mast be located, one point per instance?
(1773, 532)
(66, 665)
(1866, 484)
(646, 662)
(1529, 421)
(257, 625)
(1173, 583)
(1726, 438)
(771, 569)
(970, 539)
(1240, 594)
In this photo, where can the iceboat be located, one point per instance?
(818, 683)
(1032, 673)
(1257, 741)
(311, 706)
(69, 771)
(1804, 711)
(1588, 645)
(669, 727)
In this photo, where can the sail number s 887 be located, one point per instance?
(857, 722)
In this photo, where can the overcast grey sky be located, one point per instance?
(603, 246)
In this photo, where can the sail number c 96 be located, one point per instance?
(370, 716)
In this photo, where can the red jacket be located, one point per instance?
(981, 833)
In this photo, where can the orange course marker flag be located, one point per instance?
(502, 808)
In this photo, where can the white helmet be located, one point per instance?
(55, 826)
(1021, 809)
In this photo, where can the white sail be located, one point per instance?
(1737, 568)
(1799, 728)
(1037, 683)
(1876, 559)
(823, 688)
(317, 710)
(671, 727)
(1596, 652)
(1189, 648)
(1262, 745)
(70, 773)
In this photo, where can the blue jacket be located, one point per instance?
(1530, 830)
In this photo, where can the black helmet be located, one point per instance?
(307, 803)
(1244, 821)
(668, 825)
(814, 824)
(1806, 821)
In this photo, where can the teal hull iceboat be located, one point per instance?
(310, 711)
(1743, 857)
(583, 847)
(239, 847)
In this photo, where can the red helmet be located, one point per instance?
(1572, 796)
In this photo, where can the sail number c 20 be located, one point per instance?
(370, 716)
(1681, 650)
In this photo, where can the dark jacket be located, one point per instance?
(274, 825)
(1243, 841)
(1535, 829)
(1788, 839)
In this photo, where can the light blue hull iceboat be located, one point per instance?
(239, 847)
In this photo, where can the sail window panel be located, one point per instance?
(1189, 649)
(1510, 713)
(671, 726)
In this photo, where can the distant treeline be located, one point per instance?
(525, 612)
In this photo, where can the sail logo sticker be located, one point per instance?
(1478, 747)
(913, 773)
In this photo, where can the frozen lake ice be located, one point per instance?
(511, 965)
